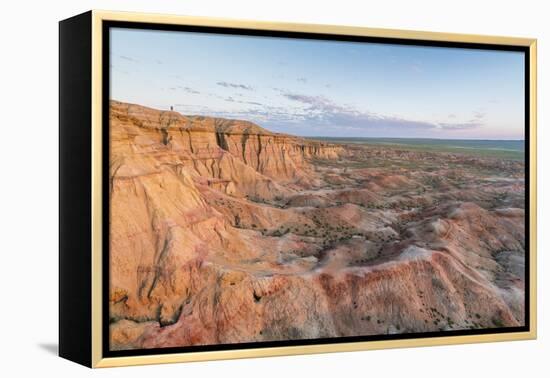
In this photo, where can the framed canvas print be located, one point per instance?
(234, 189)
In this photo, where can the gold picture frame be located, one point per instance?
(91, 105)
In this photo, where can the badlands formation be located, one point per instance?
(223, 232)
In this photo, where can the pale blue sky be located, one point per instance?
(322, 88)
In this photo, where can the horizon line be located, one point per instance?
(392, 137)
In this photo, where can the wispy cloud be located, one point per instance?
(252, 103)
(324, 115)
(191, 90)
(319, 102)
(480, 114)
(302, 80)
(322, 110)
(234, 85)
(460, 126)
(185, 89)
(232, 99)
(128, 58)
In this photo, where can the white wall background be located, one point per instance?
(29, 215)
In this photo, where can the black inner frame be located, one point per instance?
(107, 25)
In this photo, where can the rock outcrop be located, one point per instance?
(238, 156)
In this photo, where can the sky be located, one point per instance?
(323, 88)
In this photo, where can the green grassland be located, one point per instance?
(512, 150)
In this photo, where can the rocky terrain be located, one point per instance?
(223, 232)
